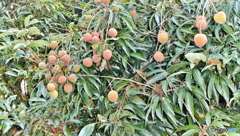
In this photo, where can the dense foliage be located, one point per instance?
(191, 91)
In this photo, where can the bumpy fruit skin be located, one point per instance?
(66, 57)
(87, 62)
(158, 56)
(112, 32)
(72, 78)
(68, 87)
(162, 36)
(112, 96)
(56, 85)
(51, 86)
(76, 68)
(54, 94)
(200, 40)
(96, 58)
(42, 65)
(105, 1)
(87, 37)
(55, 78)
(53, 44)
(201, 115)
(95, 34)
(200, 18)
(62, 53)
(107, 54)
(201, 24)
(97, 2)
(133, 13)
(95, 40)
(62, 79)
(220, 17)
(52, 53)
(56, 69)
(88, 17)
(52, 59)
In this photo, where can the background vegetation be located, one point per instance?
(193, 90)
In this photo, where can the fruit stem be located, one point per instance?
(213, 6)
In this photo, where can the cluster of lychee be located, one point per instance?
(201, 23)
(96, 58)
(57, 71)
(106, 54)
(94, 39)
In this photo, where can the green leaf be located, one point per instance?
(137, 100)
(39, 43)
(175, 20)
(189, 103)
(192, 57)
(11, 73)
(137, 55)
(6, 33)
(6, 125)
(20, 45)
(228, 82)
(27, 19)
(187, 127)
(154, 72)
(181, 96)
(191, 132)
(211, 86)
(3, 117)
(129, 128)
(228, 30)
(87, 88)
(220, 124)
(121, 84)
(216, 32)
(177, 73)
(168, 109)
(157, 77)
(188, 80)
(94, 83)
(34, 21)
(130, 24)
(222, 89)
(179, 35)
(130, 45)
(123, 45)
(87, 130)
(22, 32)
(130, 115)
(34, 31)
(208, 119)
(199, 79)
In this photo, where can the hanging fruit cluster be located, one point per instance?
(201, 23)
(57, 71)
(94, 38)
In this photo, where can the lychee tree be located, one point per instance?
(124, 67)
